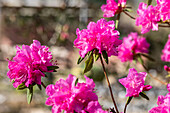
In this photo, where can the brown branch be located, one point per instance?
(129, 15)
(155, 78)
(164, 26)
(125, 108)
(108, 84)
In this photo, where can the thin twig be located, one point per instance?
(165, 22)
(129, 7)
(129, 15)
(108, 84)
(164, 83)
(43, 85)
(163, 26)
(157, 79)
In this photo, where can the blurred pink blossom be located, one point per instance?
(148, 17)
(101, 36)
(166, 51)
(29, 64)
(163, 103)
(132, 45)
(164, 8)
(65, 95)
(134, 83)
(166, 68)
(112, 8)
(168, 87)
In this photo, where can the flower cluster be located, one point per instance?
(132, 45)
(164, 8)
(29, 64)
(166, 51)
(134, 83)
(163, 103)
(148, 17)
(112, 8)
(67, 96)
(101, 35)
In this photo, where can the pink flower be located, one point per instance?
(134, 83)
(166, 51)
(163, 105)
(168, 87)
(100, 35)
(132, 45)
(29, 64)
(148, 18)
(164, 9)
(65, 95)
(166, 68)
(95, 107)
(112, 8)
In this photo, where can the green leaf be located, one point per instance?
(105, 56)
(128, 100)
(96, 55)
(21, 86)
(29, 94)
(134, 61)
(167, 76)
(39, 86)
(90, 52)
(128, 66)
(140, 59)
(46, 75)
(52, 68)
(80, 60)
(128, 10)
(117, 21)
(144, 95)
(13, 81)
(149, 2)
(76, 81)
(148, 57)
(88, 63)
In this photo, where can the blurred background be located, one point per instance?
(54, 23)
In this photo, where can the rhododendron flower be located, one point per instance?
(164, 8)
(166, 51)
(95, 107)
(163, 103)
(67, 96)
(148, 17)
(134, 83)
(132, 45)
(168, 87)
(29, 64)
(112, 8)
(166, 68)
(100, 35)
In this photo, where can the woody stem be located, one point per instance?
(117, 111)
